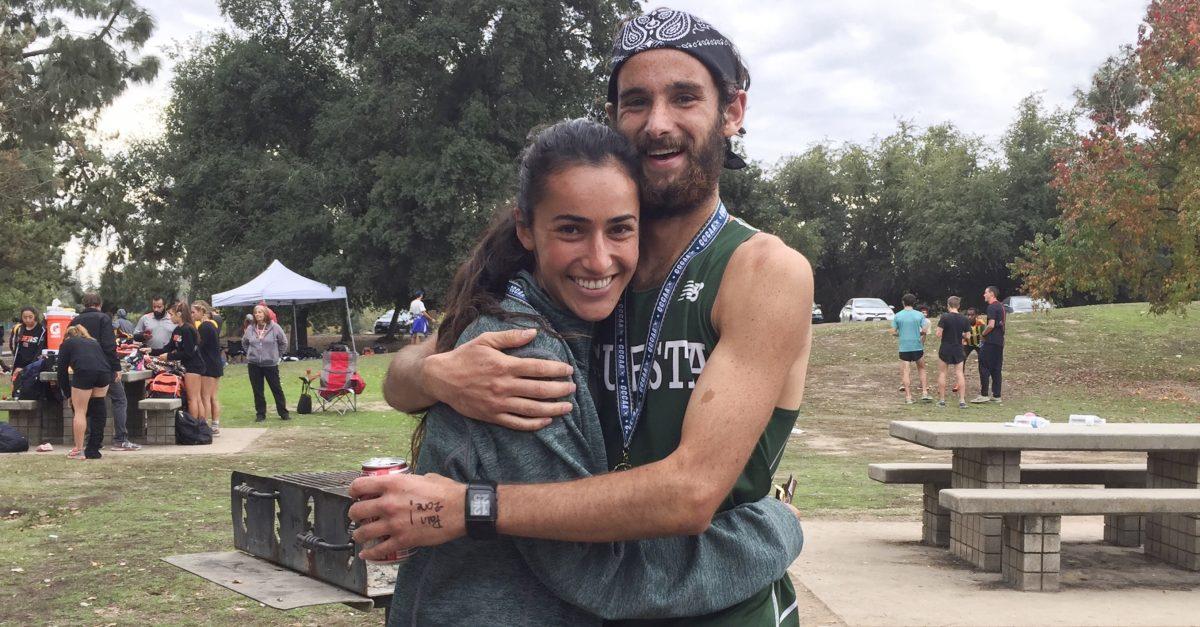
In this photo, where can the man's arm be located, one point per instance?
(479, 381)
(988, 329)
(763, 350)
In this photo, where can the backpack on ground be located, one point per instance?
(191, 430)
(11, 440)
(165, 385)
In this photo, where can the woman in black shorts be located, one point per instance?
(214, 366)
(84, 370)
(184, 349)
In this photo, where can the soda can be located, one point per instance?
(378, 466)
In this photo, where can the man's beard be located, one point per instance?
(158, 315)
(693, 186)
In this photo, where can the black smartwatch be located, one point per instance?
(481, 510)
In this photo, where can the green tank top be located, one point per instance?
(686, 341)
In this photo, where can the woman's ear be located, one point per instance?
(524, 233)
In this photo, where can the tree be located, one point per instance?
(426, 146)
(1130, 214)
(53, 78)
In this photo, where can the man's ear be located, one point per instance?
(611, 109)
(735, 114)
(524, 233)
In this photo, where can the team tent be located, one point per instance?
(277, 285)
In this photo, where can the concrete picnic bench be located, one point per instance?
(986, 461)
(24, 416)
(1032, 523)
(934, 477)
(56, 417)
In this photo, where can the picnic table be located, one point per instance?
(57, 417)
(988, 455)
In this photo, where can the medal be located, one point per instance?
(630, 401)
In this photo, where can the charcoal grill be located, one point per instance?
(300, 521)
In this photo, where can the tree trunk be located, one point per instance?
(302, 327)
(345, 327)
(391, 330)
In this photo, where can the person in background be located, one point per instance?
(84, 375)
(122, 326)
(910, 326)
(184, 348)
(155, 328)
(100, 327)
(971, 344)
(420, 318)
(27, 341)
(953, 329)
(991, 349)
(214, 365)
(265, 342)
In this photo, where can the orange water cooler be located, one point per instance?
(56, 328)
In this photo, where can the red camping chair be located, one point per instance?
(340, 383)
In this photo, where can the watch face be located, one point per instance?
(479, 504)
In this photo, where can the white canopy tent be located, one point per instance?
(277, 285)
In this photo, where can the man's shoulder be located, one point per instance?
(764, 257)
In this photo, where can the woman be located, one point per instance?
(184, 349)
(265, 342)
(214, 366)
(27, 341)
(84, 370)
(559, 263)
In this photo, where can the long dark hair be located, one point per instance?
(478, 286)
(185, 313)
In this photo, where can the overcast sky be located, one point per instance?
(827, 71)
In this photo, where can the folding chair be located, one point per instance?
(340, 384)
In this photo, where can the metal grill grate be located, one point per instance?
(333, 482)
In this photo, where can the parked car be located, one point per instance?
(817, 316)
(1025, 304)
(864, 309)
(403, 321)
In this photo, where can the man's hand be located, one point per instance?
(116, 377)
(481, 382)
(409, 511)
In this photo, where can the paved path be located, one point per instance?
(876, 573)
(231, 440)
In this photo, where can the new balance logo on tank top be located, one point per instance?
(686, 341)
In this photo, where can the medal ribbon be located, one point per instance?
(629, 408)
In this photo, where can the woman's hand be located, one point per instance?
(406, 511)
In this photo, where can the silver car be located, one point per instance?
(403, 321)
(866, 309)
(1025, 304)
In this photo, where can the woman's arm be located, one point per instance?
(280, 338)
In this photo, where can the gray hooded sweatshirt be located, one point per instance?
(266, 350)
(521, 581)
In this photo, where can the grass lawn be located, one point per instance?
(80, 542)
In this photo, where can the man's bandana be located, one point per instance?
(666, 28)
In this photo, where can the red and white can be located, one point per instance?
(385, 466)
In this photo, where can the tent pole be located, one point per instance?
(350, 324)
(295, 331)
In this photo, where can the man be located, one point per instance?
(971, 344)
(724, 376)
(953, 329)
(991, 351)
(121, 324)
(420, 318)
(910, 326)
(154, 329)
(100, 326)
